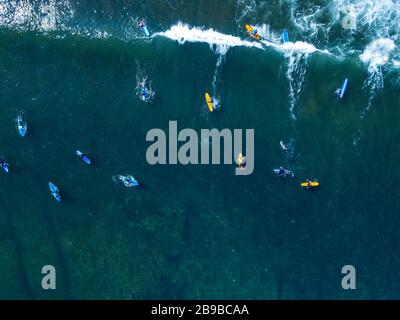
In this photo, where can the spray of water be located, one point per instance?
(217, 72)
(244, 9)
(375, 56)
(295, 73)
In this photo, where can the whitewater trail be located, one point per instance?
(220, 42)
(375, 56)
(295, 74)
(243, 9)
(217, 41)
(217, 73)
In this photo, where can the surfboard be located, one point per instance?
(285, 36)
(343, 88)
(146, 31)
(22, 127)
(209, 102)
(55, 192)
(250, 30)
(313, 184)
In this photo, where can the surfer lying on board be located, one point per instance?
(310, 184)
(282, 172)
(144, 92)
(3, 164)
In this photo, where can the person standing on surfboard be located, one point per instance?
(241, 161)
(140, 24)
(142, 27)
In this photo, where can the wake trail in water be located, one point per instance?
(243, 9)
(217, 41)
(375, 56)
(295, 74)
(222, 52)
(217, 73)
(217, 76)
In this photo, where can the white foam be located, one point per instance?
(53, 15)
(396, 64)
(374, 18)
(296, 71)
(244, 8)
(218, 41)
(299, 46)
(377, 54)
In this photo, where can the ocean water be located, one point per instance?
(199, 232)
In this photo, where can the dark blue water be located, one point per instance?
(197, 232)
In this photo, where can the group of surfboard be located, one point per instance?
(210, 101)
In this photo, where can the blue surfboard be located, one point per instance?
(22, 127)
(54, 191)
(4, 165)
(83, 156)
(146, 31)
(285, 36)
(341, 91)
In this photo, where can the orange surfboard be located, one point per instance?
(313, 184)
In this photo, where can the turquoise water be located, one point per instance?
(198, 232)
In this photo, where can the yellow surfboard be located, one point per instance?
(209, 102)
(313, 184)
(250, 30)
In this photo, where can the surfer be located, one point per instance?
(144, 92)
(282, 172)
(253, 32)
(140, 24)
(211, 102)
(342, 90)
(283, 146)
(285, 36)
(128, 181)
(4, 165)
(309, 184)
(241, 160)
(142, 27)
